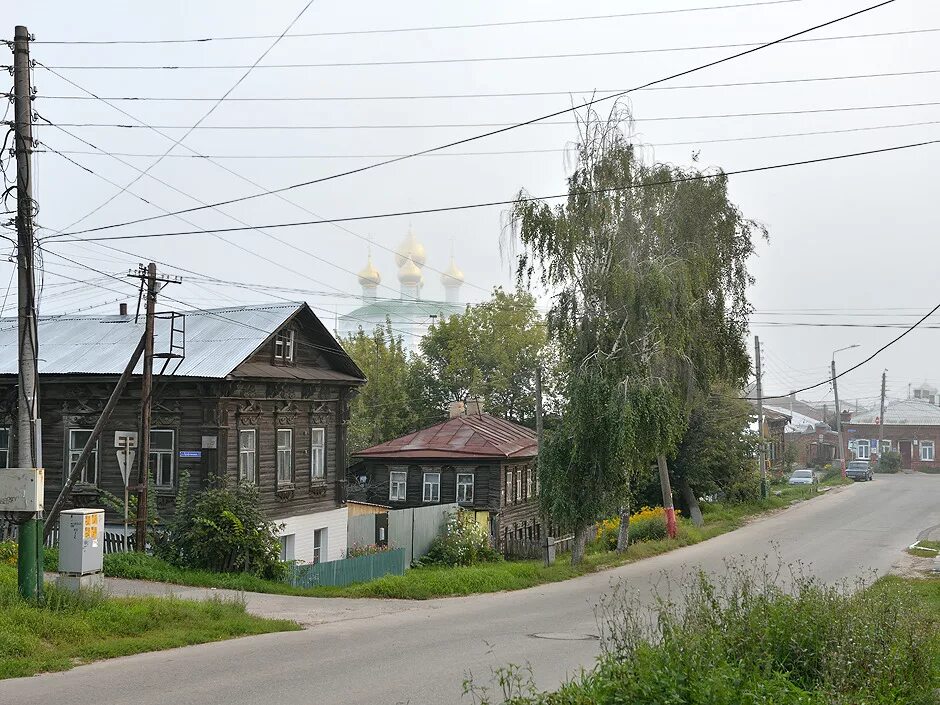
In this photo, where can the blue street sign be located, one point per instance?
(191, 454)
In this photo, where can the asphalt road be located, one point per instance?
(419, 652)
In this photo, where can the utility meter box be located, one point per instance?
(81, 541)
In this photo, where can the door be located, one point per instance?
(381, 529)
(906, 454)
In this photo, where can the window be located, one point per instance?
(509, 487)
(247, 453)
(285, 455)
(287, 547)
(862, 450)
(4, 446)
(528, 482)
(886, 446)
(319, 545)
(397, 484)
(161, 457)
(317, 453)
(926, 450)
(518, 494)
(77, 440)
(465, 487)
(284, 346)
(432, 487)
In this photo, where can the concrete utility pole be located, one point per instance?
(146, 388)
(835, 392)
(760, 419)
(881, 416)
(29, 429)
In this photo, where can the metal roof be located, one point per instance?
(467, 436)
(217, 340)
(909, 412)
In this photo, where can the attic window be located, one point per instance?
(284, 346)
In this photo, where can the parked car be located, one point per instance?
(859, 470)
(802, 477)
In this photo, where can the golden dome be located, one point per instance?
(410, 249)
(369, 276)
(452, 276)
(409, 273)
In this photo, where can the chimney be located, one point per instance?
(474, 407)
(123, 309)
(456, 408)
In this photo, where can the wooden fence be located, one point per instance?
(534, 548)
(349, 570)
(113, 541)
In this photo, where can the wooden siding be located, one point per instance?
(376, 488)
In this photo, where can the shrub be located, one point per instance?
(222, 530)
(648, 524)
(889, 462)
(464, 542)
(367, 549)
(8, 553)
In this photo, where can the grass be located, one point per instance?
(69, 630)
(930, 470)
(432, 582)
(743, 638)
(925, 549)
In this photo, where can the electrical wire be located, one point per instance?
(475, 59)
(394, 30)
(613, 96)
(489, 204)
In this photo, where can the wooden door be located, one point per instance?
(906, 454)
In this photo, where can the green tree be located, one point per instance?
(490, 351)
(395, 400)
(647, 264)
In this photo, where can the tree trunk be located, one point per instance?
(688, 497)
(623, 536)
(577, 546)
(671, 528)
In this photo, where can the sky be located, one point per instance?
(851, 242)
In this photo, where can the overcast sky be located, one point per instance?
(853, 241)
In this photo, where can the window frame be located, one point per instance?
(163, 452)
(5, 450)
(885, 446)
(320, 549)
(425, 485)
(318, 474)
(288, 541)
(863, 443)
(510, 486)
(464, 485)
(285, 346)
(397, 484)
(242, 475)
(72, 455)
(924, 445)
(287, 452)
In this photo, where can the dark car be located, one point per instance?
(859, 470)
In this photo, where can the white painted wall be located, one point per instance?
(303, 526)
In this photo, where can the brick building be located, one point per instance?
(911, 427)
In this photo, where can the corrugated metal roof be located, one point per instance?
(909, 412)
(468, 436)
(217, 340)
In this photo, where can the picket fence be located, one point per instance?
(113, 541)
(348, 570)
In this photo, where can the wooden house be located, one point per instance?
(261, 396)
(483, 463)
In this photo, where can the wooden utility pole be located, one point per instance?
(881, 415)
(760, 419)
(29, 429)
(538, 404)
(146, 388)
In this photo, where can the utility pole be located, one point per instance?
(538, 404)
(149, 279)
(29, 430)
(760, 419)
(835, 392)
(881, 416)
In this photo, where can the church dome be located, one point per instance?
(369, 276)
(452, 276)
(410, 250)
(409, 273)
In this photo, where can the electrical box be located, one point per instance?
(21, 490)
(81, 541)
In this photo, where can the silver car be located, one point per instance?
(859, 470)
(801, 477)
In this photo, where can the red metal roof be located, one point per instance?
(469, 436)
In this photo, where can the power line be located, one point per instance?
(474, 59)
(394, 30)
(513, 94)
(661, 118)
(489, 204)
(557, 113)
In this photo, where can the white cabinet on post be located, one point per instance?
(81, 549)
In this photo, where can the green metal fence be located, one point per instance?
(349, 570)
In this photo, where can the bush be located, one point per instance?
(464, 542)
(889, 462)
(8, 553)
(648, 524)
(367, 549)
(222, 530)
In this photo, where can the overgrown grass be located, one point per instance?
(925, 549)
(743, 638)
(68, 629)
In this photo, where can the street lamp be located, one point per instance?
(835, 391)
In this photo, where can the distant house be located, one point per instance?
(483, 463)
(775, 425)
(911, 427)
(261, 396)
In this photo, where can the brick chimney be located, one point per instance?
(456, 408)
(474, 407)
(123, 309)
